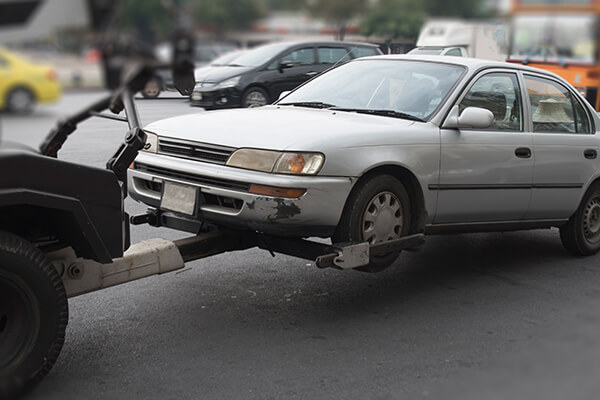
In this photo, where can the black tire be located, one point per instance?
(152, 89)
(20, 101)
(255, 97)
(33, 315)
(581, 235)
(377, 210)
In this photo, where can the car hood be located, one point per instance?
(283, 128)
(218, 74)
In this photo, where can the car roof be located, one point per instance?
(325, 42)
(473, 64)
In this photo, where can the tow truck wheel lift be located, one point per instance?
(63, 233)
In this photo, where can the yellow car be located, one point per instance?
(22, 84)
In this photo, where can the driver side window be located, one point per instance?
(498, 92)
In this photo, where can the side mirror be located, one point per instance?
(284, 64)
(470, 118)
(283, 94)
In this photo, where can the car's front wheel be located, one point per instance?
(581, 235)
(152, 89)
(378, 210)
(255, 97)
(20, 101)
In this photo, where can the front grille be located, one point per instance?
(195, 151)
(201, 180)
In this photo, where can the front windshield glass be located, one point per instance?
(259, 55)
(554, 38)
(414, 88)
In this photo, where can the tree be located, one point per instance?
(338, 12)
(395, 19)
(226, 15)
(148, 19)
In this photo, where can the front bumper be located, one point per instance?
(216, 98)
(223, 196)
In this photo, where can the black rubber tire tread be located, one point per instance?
(349, 227)
(572, 233)
(254, 89)
(20, 258)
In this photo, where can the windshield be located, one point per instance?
(413, 88)
(554, 38)
(226, 58)
(260, 55)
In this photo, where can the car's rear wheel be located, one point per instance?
(255, 97)
(581, 235)
(20, 101)
(152, 89)
(33, 315)
(378, 210)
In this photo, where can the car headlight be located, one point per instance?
(277, 162)
(228, 83)
(151, 145)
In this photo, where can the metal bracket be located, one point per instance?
(353, 256)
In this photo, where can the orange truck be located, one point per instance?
(560, 36)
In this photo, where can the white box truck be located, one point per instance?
(485, 40)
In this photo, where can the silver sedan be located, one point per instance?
(383, 147)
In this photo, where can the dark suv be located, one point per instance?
(258, 76)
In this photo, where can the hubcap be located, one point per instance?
(383, 218)
(18, 324)
(20, 100)
(591, 220)
(255, 99)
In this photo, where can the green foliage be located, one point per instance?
(403, 18)
(147, 18)
(395, 19)
(224, 15)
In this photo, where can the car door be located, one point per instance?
(486, 175)
(301, 66)
(564, 146)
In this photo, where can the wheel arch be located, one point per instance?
(410, 182)
(36, 216)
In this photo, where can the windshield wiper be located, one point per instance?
(309, 104)
(384, 113)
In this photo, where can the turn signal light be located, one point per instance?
(276, 191)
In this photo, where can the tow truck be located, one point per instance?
(64, 231)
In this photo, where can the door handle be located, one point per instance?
(590, 154)
(523, 152)
(311, 73)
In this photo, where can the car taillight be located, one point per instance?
(51, 75)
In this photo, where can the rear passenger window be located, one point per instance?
(332, 55)
(498, 92)
(358, 52)
(554, 109)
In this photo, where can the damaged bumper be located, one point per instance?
(223, 197)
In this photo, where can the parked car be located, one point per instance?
(261, 74)
(23, 83)
(383, 147)
(220, 61)
(204, 53)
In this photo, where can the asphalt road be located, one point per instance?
(481, 316)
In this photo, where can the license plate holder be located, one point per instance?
(179, 198)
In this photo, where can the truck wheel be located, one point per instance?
(377, 210)
(581, 235)
(33, 315)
